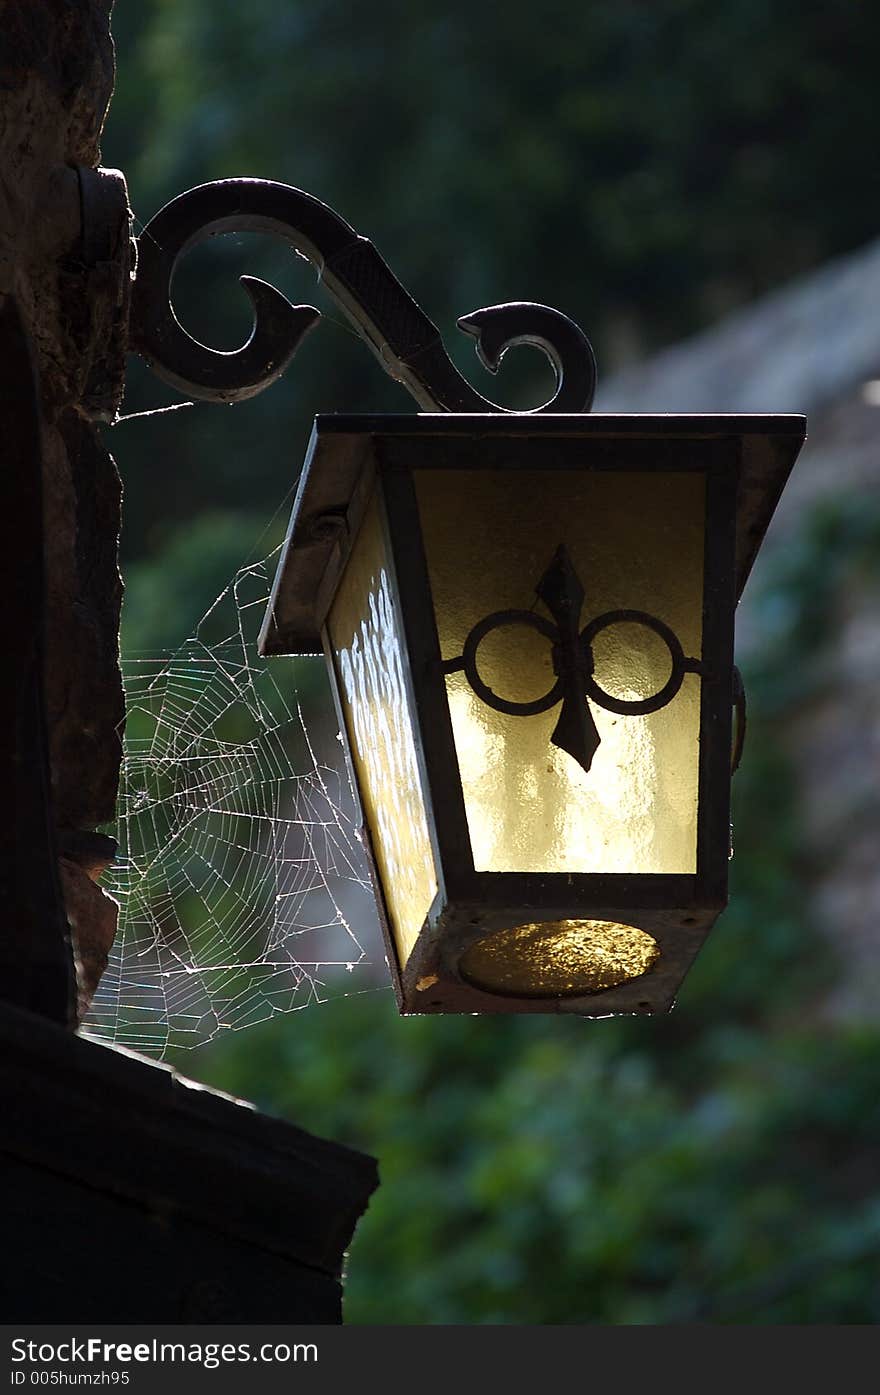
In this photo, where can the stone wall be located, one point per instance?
(65, 257)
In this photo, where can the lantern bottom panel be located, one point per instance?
(594, 961)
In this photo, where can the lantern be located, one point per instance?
(528, 622)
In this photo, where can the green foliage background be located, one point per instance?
(645, 167)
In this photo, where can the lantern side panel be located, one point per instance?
(364, 636)
(631, 546)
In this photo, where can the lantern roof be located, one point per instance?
(337, 478)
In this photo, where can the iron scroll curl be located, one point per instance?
(404, 340)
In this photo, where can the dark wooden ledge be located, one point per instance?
(133, 1195)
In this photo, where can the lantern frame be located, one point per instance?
(745, 462)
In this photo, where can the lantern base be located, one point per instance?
(558, 958)
(597, 965)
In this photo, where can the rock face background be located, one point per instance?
(812, 348)
(64, 256)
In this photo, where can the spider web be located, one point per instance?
(242, 886)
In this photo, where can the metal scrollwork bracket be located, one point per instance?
(406, 343)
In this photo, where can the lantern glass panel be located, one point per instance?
(636, 541)
(365, 643)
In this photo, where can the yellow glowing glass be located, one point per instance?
(363, 632)
(636, 541)
(554, 958)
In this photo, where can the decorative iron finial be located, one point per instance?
(562, 592)
(404, 340)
